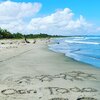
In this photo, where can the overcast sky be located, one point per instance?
(64, 17)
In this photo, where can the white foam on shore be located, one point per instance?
(81, 42)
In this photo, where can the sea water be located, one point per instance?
(85, 49)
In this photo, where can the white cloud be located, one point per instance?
(13, 15)
(60, 22)
(12, 10)
(19, 17)
(98, 29)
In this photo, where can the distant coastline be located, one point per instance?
(5, 34)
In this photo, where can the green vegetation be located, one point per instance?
(4, 34)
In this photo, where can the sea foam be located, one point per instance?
(84, 49)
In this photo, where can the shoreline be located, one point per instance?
(35, 73)
(81, 52)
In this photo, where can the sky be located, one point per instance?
(55, 17)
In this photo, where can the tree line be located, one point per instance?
(5, 34)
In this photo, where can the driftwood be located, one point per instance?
(34, 41)
(26, 40)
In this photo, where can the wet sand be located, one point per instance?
(32, 72)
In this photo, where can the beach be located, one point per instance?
(30, 71)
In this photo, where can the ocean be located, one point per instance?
(84, 49)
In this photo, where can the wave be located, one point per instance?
(81, 42)
(81, 49)
(85, 58)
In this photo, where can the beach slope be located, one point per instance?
(31, 71)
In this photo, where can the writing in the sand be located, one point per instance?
(81, 98)
(51, 90)
(71, 76)
(54, 90)
(74, 75)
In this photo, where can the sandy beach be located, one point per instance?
(31, 71)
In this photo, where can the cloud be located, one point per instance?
(12, 10)
(60, 22)
(20, 17)
(98, 29)
(14, 15)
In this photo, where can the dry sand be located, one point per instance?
(32, 72)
